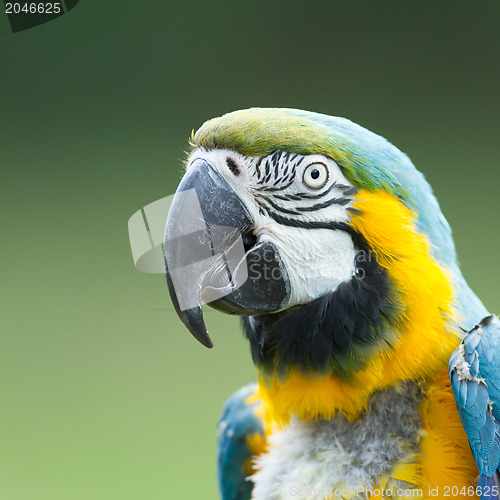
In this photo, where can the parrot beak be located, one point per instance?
(212, 256)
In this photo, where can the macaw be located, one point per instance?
(378, 368)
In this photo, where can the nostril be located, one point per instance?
(233, 166)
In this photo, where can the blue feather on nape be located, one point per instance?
(489, 486)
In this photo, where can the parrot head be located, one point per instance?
(328, 243)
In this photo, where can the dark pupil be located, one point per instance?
(315, 173)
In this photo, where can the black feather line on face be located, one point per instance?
(333, 225)
(283, 210)
(336, 333)
(325, 204)
(273, 189)
(267, 172)
(346, 190)
(258, 170)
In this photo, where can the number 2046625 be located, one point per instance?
(33, 8)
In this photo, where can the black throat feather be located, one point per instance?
(336, 333)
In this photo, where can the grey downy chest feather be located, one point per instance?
(312, 459)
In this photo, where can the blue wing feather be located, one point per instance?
(238, 421)
(475, 381)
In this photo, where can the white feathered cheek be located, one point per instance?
(295, 220)
(317, 260)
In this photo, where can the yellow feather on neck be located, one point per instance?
(427, 335)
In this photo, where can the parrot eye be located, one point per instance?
(315, 176)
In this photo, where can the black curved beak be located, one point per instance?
(212, 256)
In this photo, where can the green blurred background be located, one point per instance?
(105, 396)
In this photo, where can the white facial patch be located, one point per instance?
(317, 260)
(287, 195)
